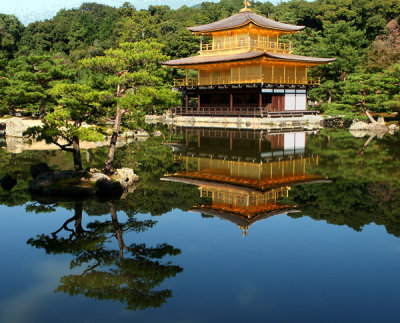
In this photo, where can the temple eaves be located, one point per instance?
(200, 59)
(243, 18)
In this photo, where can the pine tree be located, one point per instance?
(133, 71)
(78, 105)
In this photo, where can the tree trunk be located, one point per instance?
(367, 143)
(369, 116)
(118, 231)
(330, 96)
(109, 165)
(42, 108)
(78, 219)
(363, 101)
(77, 153)
(11, 109)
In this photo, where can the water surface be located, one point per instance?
(224, 225)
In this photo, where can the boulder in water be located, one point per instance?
(107, 188)
(369, 127)
(126, 176)
(8, 182)
(393, 128)
(40, 168)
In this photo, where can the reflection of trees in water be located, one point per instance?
(365, 186)
(354, 204)
(128, 274)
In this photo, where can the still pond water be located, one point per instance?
(237, 226)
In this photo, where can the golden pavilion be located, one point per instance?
(245, 69)
(242, 174)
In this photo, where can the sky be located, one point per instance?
(29, 11)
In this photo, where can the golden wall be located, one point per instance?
(249, 37)
(249, 170)
(237, 198)
(255, 73)
(241, 40)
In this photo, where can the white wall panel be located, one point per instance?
(301, 101)
(300, 141)
(288, 143)
(290, 102)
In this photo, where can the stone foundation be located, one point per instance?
(310, 122)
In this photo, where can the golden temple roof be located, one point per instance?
(200, 59)
(241, 220)
(243, 18)
(259, 184)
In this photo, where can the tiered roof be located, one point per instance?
(210, 59)
(239, 20)
(242, 19)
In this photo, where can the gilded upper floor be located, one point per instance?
(242, 32)
(246, 48)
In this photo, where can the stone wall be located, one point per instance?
(311, 122)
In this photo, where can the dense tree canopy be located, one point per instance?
(97, 63)
(362, 35)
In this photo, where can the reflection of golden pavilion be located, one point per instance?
(235, 186)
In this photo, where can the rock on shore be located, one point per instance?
(80, 185)
(369, 127)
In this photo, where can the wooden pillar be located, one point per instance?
(230, 141)
(306, 74)
(231, 100)
(273, 80)
(186, 100)
(284, 73)
(187, 77)
(198, 102)
(198, 138)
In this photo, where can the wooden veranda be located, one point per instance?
(238, 112)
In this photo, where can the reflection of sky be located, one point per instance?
(24, 304)
(286, 269)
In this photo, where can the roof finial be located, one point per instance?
(246, 8)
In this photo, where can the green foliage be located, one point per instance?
(78, 104)
(344, 42)
(134, 70)
(82, 32)
(77, 117)
(29, 80)
(377, 92)
(341, 110)
(362, 35)
(11, 30)
(385, 49)
(365, 187)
